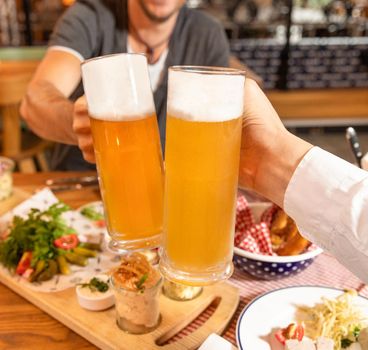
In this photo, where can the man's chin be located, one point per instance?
(156, 12)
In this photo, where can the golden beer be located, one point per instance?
(127, 148)
(128, 154)
(201, 164)
(201, 186)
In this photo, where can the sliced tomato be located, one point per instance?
(279, 335)
(67, 242)
(292, 331)
(100, 223)
(299, 332)
(24, 263)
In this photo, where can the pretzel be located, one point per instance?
(294, 246)
(285, 237)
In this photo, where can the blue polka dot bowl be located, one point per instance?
(271, 267)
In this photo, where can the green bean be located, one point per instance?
(63, 265)
(50, 271)
(91, 246)
(85, 252)
(40, 266)
(76, 259)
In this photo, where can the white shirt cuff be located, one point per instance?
(328, 199)
(319, 188)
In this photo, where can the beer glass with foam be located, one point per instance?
(127, 148)
(203, 134)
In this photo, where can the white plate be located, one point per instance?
(277, 309)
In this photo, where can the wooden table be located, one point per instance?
(23, 325)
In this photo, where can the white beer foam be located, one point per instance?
(117, 87)
(205, 97)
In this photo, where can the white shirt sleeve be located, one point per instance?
(328, 199)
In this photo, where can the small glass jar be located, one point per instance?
(6, 177)
(180, 292)
(137, 312)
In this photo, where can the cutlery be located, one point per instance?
(92, 179)
(72, 187)
(353, 141)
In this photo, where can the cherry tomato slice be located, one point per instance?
(292, 331)
(280, 336)
(299, 332)
(100, 223)
(24, 263)
(67, 242)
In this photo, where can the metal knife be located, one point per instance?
(73, 180)
(352, 138)
(72, 187)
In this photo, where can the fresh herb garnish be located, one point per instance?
(346, 343)
(356, 332)
(91, 213)
(95, 285)
(36, 233)
(140, 283)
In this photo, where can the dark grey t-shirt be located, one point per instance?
(100, 27)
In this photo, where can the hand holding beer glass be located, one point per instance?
(127, 149)
(203, 134)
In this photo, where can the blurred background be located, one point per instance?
(312, 56)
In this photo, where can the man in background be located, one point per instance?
(165, 30)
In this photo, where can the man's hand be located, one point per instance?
(262, 130)
(269, 153)
(82, 129)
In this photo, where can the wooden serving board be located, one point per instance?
(100, 327)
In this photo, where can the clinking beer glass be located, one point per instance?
(127, 148)
(203, 135)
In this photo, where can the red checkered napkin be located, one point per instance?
(252, 237)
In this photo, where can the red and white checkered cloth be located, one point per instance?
(255, 237)
(252, 237)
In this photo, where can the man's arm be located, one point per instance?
(46, 107)
(326, 196)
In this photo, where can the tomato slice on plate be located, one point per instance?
(279, 335)
(100, 223)
(299, 332)
(24, 263)
(67, 242)
(292, 331)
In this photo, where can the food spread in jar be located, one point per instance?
(136, 287)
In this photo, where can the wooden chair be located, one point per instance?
(17, 66)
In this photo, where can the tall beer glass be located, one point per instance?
(203, 134)
(127, 148)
